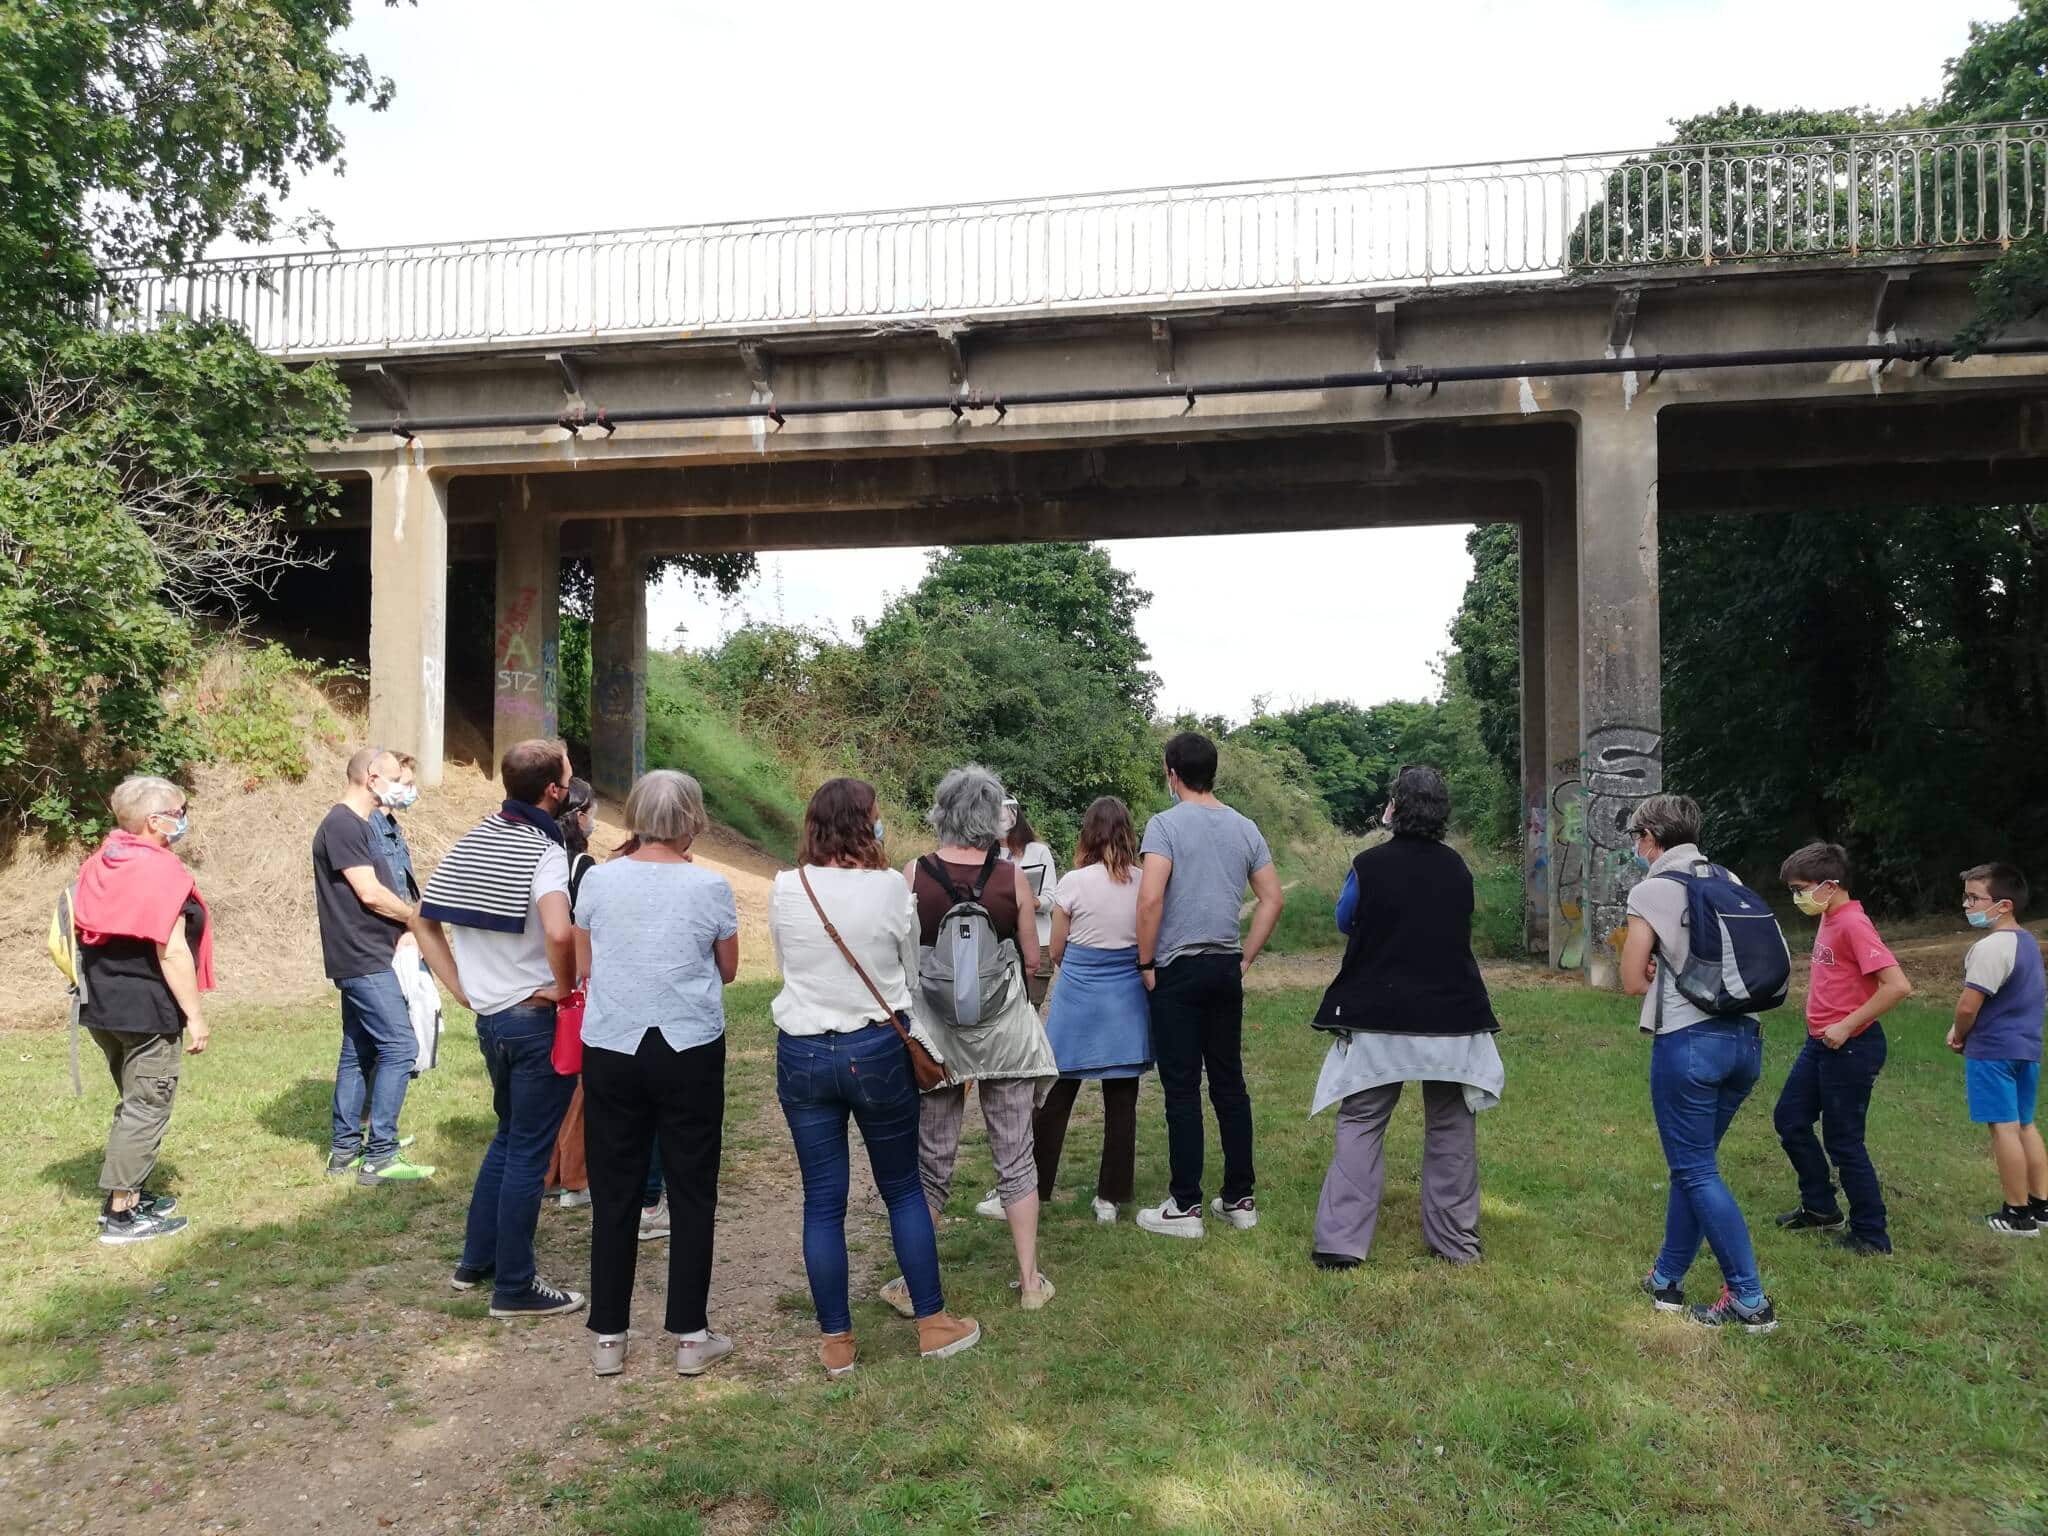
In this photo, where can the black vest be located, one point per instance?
(1409, 968)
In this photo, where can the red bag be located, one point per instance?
(568, 1049)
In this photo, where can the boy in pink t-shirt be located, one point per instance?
(1855, 981)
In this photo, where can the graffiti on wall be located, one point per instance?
(517, 688)
(1622, 766)
(1568, 866)
(1536, 868)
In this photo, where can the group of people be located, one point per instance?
(598, 995)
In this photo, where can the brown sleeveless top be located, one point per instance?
(999, 896)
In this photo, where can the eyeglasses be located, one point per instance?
(1981, 901)
(174, 815)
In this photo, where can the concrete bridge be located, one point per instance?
(1580, 346)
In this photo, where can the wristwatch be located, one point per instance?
(1148, 965)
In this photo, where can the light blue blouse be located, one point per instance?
(652, 962)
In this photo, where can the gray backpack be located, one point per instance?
(968, 976)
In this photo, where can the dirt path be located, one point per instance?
(389, 1404)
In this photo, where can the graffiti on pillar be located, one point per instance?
(1536, 875)
(1622, 766)
(615, 691)
(550, 685)
(1568, 862)
(518, 685)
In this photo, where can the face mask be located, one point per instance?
(388, 793)
(1980, 919)
(179, 829)
(1808, 903)
(878, 829)
(1638, 864)
(403, 797)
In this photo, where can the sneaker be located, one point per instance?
(539, 1299)
(1863, 1247)
(608, 1354)
(138, 1226)
(1669, 1298)
(570, 1199)
(1727, 1312)
(696, 1356)
(1169, 1220)
(1105, 1210)
(943, 1334)
(467, 1279)
(896, 1295)
(990, 1204)
(1037, 1296)
(2038, 1208)
(1803, 1220)
(154, 1205)
(339, 1163)
(654, 1220)
(2011, 1221)
(1241, 1214)
(1323, 1260)
(837, 1352)
(395, 1169)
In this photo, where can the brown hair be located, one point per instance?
(529, 767)
(1021, 834)
(2003, 881)
(1107, 838)
(839, 827)
(1817, 863)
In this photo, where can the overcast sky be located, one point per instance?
(516, 117)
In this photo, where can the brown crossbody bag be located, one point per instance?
(928, 1073)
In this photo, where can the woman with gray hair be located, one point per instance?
(1002, 1047)
(658, 939)
(1408, 1006)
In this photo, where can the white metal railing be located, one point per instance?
(1841, 196)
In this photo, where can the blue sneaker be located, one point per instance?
(1669, 1298)
(1730, 1313)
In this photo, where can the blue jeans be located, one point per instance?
(820, 1080)
(1699, 1077)
(377, 1055)
(530, 1098)
(1833, 1087)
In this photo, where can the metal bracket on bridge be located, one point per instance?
(1888, 301)
(951, 339)
(1162, 349)
(1621, 322)
(756, 364)
(1386, 340)
(572, 376)
(390, 388)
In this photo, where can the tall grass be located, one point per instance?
(746, 787)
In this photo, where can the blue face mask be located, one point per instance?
(878, 829)
(179, 829)
(403, 797)
(1639, 864)
(1980, 919)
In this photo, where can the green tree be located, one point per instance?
(1487, 635)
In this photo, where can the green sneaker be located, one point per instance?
(395, 1169)
(339, 1163)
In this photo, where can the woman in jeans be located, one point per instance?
(1099, 1024)
(1702, 1067)
(659, 938)
(1006, 1056)
(838, 1053)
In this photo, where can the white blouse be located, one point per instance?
(876, 916)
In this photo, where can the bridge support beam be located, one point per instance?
(408, 611)
(1532, 535)
(526, 652)
(1620, 694)
(618, 663)
(1564, 809)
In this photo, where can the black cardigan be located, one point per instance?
(1409, 968)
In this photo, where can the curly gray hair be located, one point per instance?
(967, 808)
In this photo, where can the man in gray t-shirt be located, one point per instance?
(1198, 858)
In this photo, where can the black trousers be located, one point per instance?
(626, 1100)
(1119, 1136)
(1197, 1028)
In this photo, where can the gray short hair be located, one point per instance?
(1671, 820)
(666, 806)
(967, 808)
(136, 799)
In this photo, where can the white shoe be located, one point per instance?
(654, 1221)
(990, 1205)
(1169, 1220)
(696, 1356)
(896, 1294)
(570, 1199)
(1104, 1211)
(1241, 1214)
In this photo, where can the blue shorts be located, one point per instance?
(2002, 1092)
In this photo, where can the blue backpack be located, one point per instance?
(1740, 963)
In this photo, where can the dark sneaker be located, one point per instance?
(138, 1226)
(154, 1205)
(1669, 1298)
(339, 1163)
(395, 1169)
(2038, 1209)
(1730, 1313)
(467, 1279)
(1863, 1247)
(539, 1300)
(1169, 1220)
(1803, 1220)
(1241, 1214)
(2011, 1221)
(1323, 1260)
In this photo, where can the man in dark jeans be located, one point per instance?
(511, 957)
(1198, 858)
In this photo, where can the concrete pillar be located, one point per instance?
(1535, 741)
(408, 610)
(1620, 694)
(618, 665)
(525, 687)
(1564, 795)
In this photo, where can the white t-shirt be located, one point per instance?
(1042, 875)
(1101, 913)
(876, 916)
(500, 969)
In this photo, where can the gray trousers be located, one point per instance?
(1349, 1210)
(1007, 1105)
(145, 1069)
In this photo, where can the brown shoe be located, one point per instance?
(943, 1334)
(838, 1352)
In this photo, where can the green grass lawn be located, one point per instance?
(1222, 1386)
